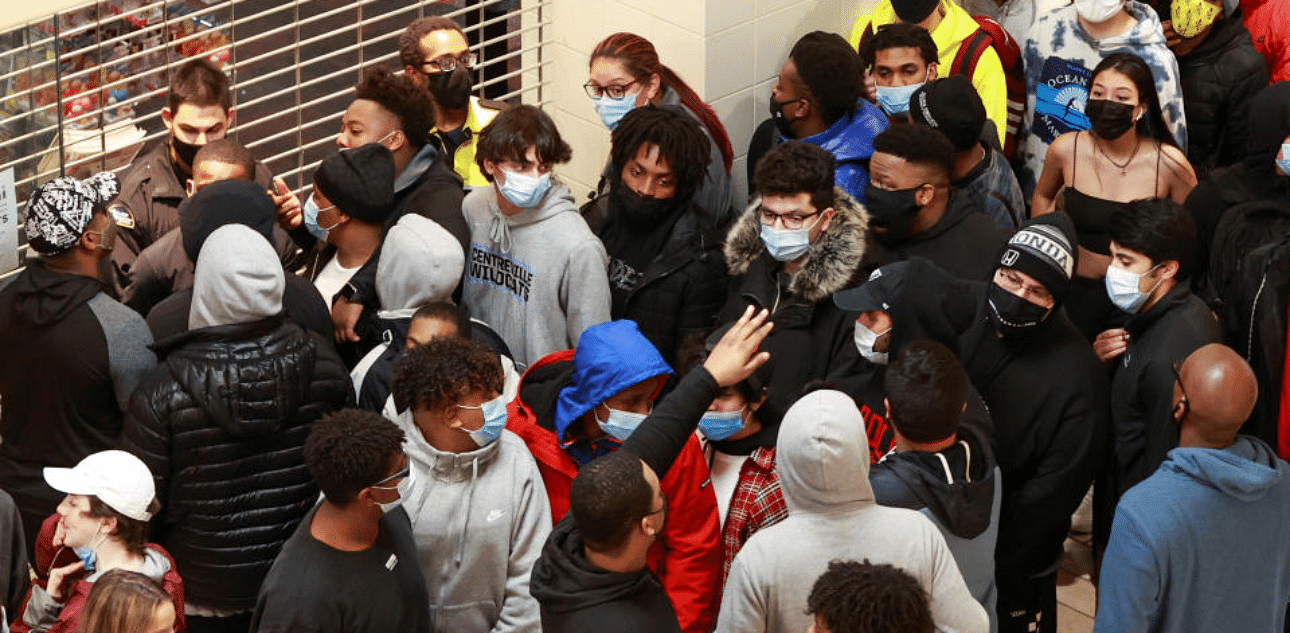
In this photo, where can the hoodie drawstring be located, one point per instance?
(465, 513)
(967, 467)
(499, 232)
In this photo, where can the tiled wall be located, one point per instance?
(729, 51)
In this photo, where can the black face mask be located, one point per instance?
(891, 210)
(638, 207)
(451, 90)
(1012, 315)
(782, 122)
(187, 152)
(1111, 119)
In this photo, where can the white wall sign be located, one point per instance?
(8, 222)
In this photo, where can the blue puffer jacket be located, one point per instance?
(850, 140)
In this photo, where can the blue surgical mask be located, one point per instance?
(613, 110)
(494, 421)
(786, 245)
(895, 101)
(1283, 163)
(89, 554)
(719, 425)
(620, 424)
(524, 191)
(311, 212)
(1122, 286)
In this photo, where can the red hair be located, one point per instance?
(641, 60)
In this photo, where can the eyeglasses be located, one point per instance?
(1185, 401)
(788, 220)
(448, 63)
(407, 470)
(615, 92)
(1013, 283)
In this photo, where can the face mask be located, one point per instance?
(1283, 163)
(403, 487)
(620, 424)
(311, 212)
(1190, 17)
(895, 101)
(524, 191)
(1122, 286)
(720, 425)
(1010, 314)
(494, 421)
(107, 237)
(782, 122)
(451, 90)
(187, 152)
(1111, 119)
(1098, 11)
(89, 554)
(613, 110)
(865, 340)
(636, 206)
(891, 210)
(786, 245)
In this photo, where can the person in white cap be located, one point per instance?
(102, 524)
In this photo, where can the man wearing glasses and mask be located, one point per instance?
(434, 54)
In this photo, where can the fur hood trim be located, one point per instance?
(831, 261)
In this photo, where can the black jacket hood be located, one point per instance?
(540, 390)
(43, 297)
(564, 581)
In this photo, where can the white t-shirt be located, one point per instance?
(725, 476)
(332, 278)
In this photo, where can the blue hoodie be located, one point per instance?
(610, 358)
(1201, 545)
(850, 140)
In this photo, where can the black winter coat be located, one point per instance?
(680, 291)
(1218, 80)
(222, 425)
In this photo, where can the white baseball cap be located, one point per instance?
(117, 478)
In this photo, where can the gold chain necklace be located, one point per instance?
(1124, 168)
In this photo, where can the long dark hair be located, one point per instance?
(641, 60)
(1152, 124)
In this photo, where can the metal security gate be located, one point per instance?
(83, 89)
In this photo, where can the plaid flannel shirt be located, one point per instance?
(756, 503)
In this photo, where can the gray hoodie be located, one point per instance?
(538, 278)
(238, 279)
(479, 520)
(421, 262)
(823, 464)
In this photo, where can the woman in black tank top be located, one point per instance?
(1129, 154)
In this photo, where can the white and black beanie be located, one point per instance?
(59, 210)
(1044, 249)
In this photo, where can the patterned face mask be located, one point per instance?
(1190, 17)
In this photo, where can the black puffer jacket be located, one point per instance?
(1218, 80)
(222, 425)
(681, 290)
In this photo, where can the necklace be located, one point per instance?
(1124, 168)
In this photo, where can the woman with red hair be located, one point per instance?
(626, 73)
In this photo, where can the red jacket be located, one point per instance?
(69, 619)
(1269, 24)
(687, 556)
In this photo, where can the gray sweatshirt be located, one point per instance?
(538, 278)
(823, 464)
(479, 520)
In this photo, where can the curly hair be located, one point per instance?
(349, 450)
(514, 131)
(898, 35)
(444, 371)
(830, 69)
(794, 167)
(403, 98)
(410, 39)
(918, 145)
(680, 142)
(868, 598)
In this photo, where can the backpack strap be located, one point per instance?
(970, 52)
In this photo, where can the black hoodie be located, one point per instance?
(964, 242)
(73, 356)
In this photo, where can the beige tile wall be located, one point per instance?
(729, 51)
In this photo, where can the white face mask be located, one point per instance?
(1122, 286)
(865, 340)
(403, 487)
(1098, 11)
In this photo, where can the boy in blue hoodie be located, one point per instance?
(1200, 545)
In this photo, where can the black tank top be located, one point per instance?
(1092, 215)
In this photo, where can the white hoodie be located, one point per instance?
(823, 464)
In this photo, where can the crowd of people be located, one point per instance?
(999, 257)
